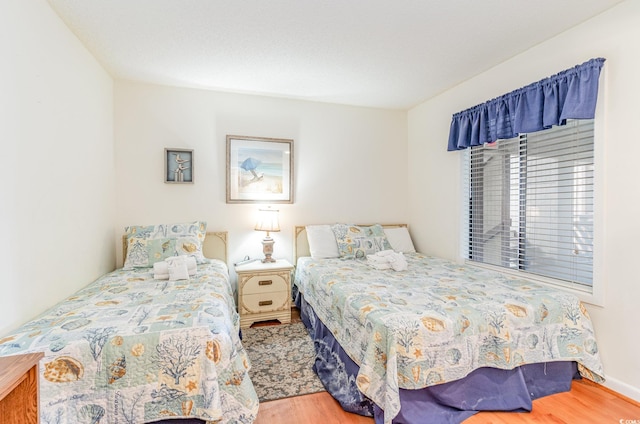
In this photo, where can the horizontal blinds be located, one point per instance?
(530, 203)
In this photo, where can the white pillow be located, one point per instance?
(400, 239)
(322, 242)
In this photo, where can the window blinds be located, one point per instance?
(529, 203)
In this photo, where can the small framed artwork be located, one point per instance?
(178, 166)
(259, 170)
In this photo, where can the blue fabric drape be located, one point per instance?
(570, 94)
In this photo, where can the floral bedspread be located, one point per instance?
(438, 321)
(131, 349)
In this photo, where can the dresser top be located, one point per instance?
(13, 368)
(280, 264)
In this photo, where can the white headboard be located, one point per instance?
(301, 243)
(214, 246)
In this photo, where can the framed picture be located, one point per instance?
(259, 170)
(178, 166)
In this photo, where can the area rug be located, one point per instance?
(281, 360)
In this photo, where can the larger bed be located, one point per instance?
(438, 341)
(129, 348)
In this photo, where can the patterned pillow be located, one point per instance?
(143, 253)
(149, 244)
(356, 242)
(196, 228)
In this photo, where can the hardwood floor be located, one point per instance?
(586, 403)
(318, 408)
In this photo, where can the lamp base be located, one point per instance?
(267, 249)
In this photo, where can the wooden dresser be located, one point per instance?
(19, 391)
(264, 292)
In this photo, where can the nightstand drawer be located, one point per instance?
(264, 302)
(265, 284)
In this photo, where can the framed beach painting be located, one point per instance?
(178, 166)
(259, 170)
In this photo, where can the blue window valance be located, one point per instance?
(570, 94)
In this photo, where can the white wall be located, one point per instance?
(434, 184)
(349, 162)
(57, 191)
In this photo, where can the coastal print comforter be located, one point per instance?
(131, 349)
(438, 321)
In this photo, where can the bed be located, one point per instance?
(129, 348)
(438, 341)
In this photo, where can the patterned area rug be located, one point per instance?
(281, 360)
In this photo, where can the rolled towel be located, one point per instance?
(161, 269)
(178, 269)
(377, 259)
(398, 262)
(191, 261)
(388, 259)
(378, 265)
(378, 262)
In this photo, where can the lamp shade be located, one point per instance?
(267, 220)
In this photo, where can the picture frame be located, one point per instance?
(178, 166)
(259, 170)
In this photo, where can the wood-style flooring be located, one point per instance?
(586, 403)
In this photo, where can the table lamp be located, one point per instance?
(267, 221)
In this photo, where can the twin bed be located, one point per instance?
(438, 341)
(434, 342)
(128, 348)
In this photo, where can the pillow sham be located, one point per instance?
(400, 240)
(196, 228)
(175, 239)
(356, 242)
(144, 252)
(322, 242)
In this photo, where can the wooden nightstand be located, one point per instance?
(264, 292)
(19, 388)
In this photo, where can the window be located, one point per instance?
(529, 204)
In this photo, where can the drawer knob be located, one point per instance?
(265, 302)
(265, 282)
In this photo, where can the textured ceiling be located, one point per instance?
(377, 53)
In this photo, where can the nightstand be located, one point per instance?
(264, 292)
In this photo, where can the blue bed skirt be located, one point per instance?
(485, 389)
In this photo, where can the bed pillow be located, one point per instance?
(148, 244)
(322, 242)
(356, 242)
(144, 252)
(196, 228)
(400, 240)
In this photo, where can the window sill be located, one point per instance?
(586, 295)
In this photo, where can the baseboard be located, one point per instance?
(619, 388)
